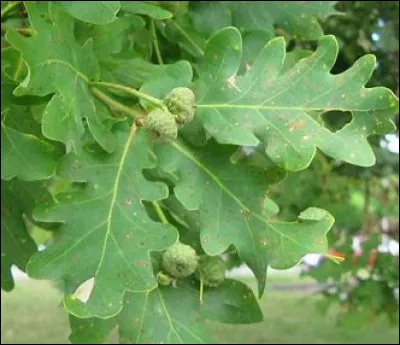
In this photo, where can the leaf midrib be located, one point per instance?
(114, 194)
(270, 107)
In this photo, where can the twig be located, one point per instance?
(131, 91)
(155, 42)
(160, 212)
(114, 105)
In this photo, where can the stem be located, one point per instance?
(9, 7)
(114, 105)
(24, 31)
(183, 32)
(160, 212)
(18, 70)
(201, 290)
(336, 259)
(155, 42)
(131, 91)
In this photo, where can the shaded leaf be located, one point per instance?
(106, 233)
(231, 203)
(210, 16)
(107, 39)
(187, 222)
(280, 110)
(232, 302)
(95, 12)
(18, 199)
(25, 156)
(90, 331)
(141, 7)
(298, 18)
(25, 153)
(153, 317)
(181, 32)
(143, 71)
(253, 42)
(294, 57)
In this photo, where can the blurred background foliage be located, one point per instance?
(364, 201)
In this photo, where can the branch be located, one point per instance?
(114, 105)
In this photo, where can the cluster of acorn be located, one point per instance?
(163, 124)
(180, 261)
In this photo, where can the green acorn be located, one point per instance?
(211, 269)
(181, 103)
(161, 125)
(180, 260)
(210, 272)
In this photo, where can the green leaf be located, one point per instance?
(90, 331)
(25, 153)
(232, 302)
(187, 222)
(179, 74)
(13, 68)
(25, 156)
(107, 39)
(299, 18)
(95, 12)
(210, 16)
(154, 317)
(142, 71)
(294, 57)
(181, 32)
(58, 64)
(231, 204)
(253, 42)
(141, 7)
(106, 233)
(17, 200)
(280, 109)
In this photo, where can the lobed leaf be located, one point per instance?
(145, 8)
(58, 65)
(280, 110)
(231, 204)
(95, 12)
(106, 233)
(25, 153)
(154, 317)
(18, 199)
(297, 18)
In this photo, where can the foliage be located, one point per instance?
(78, 82)
(364, 284)
(362, 200)
(33, 307)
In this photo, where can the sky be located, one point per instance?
(393, 144)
